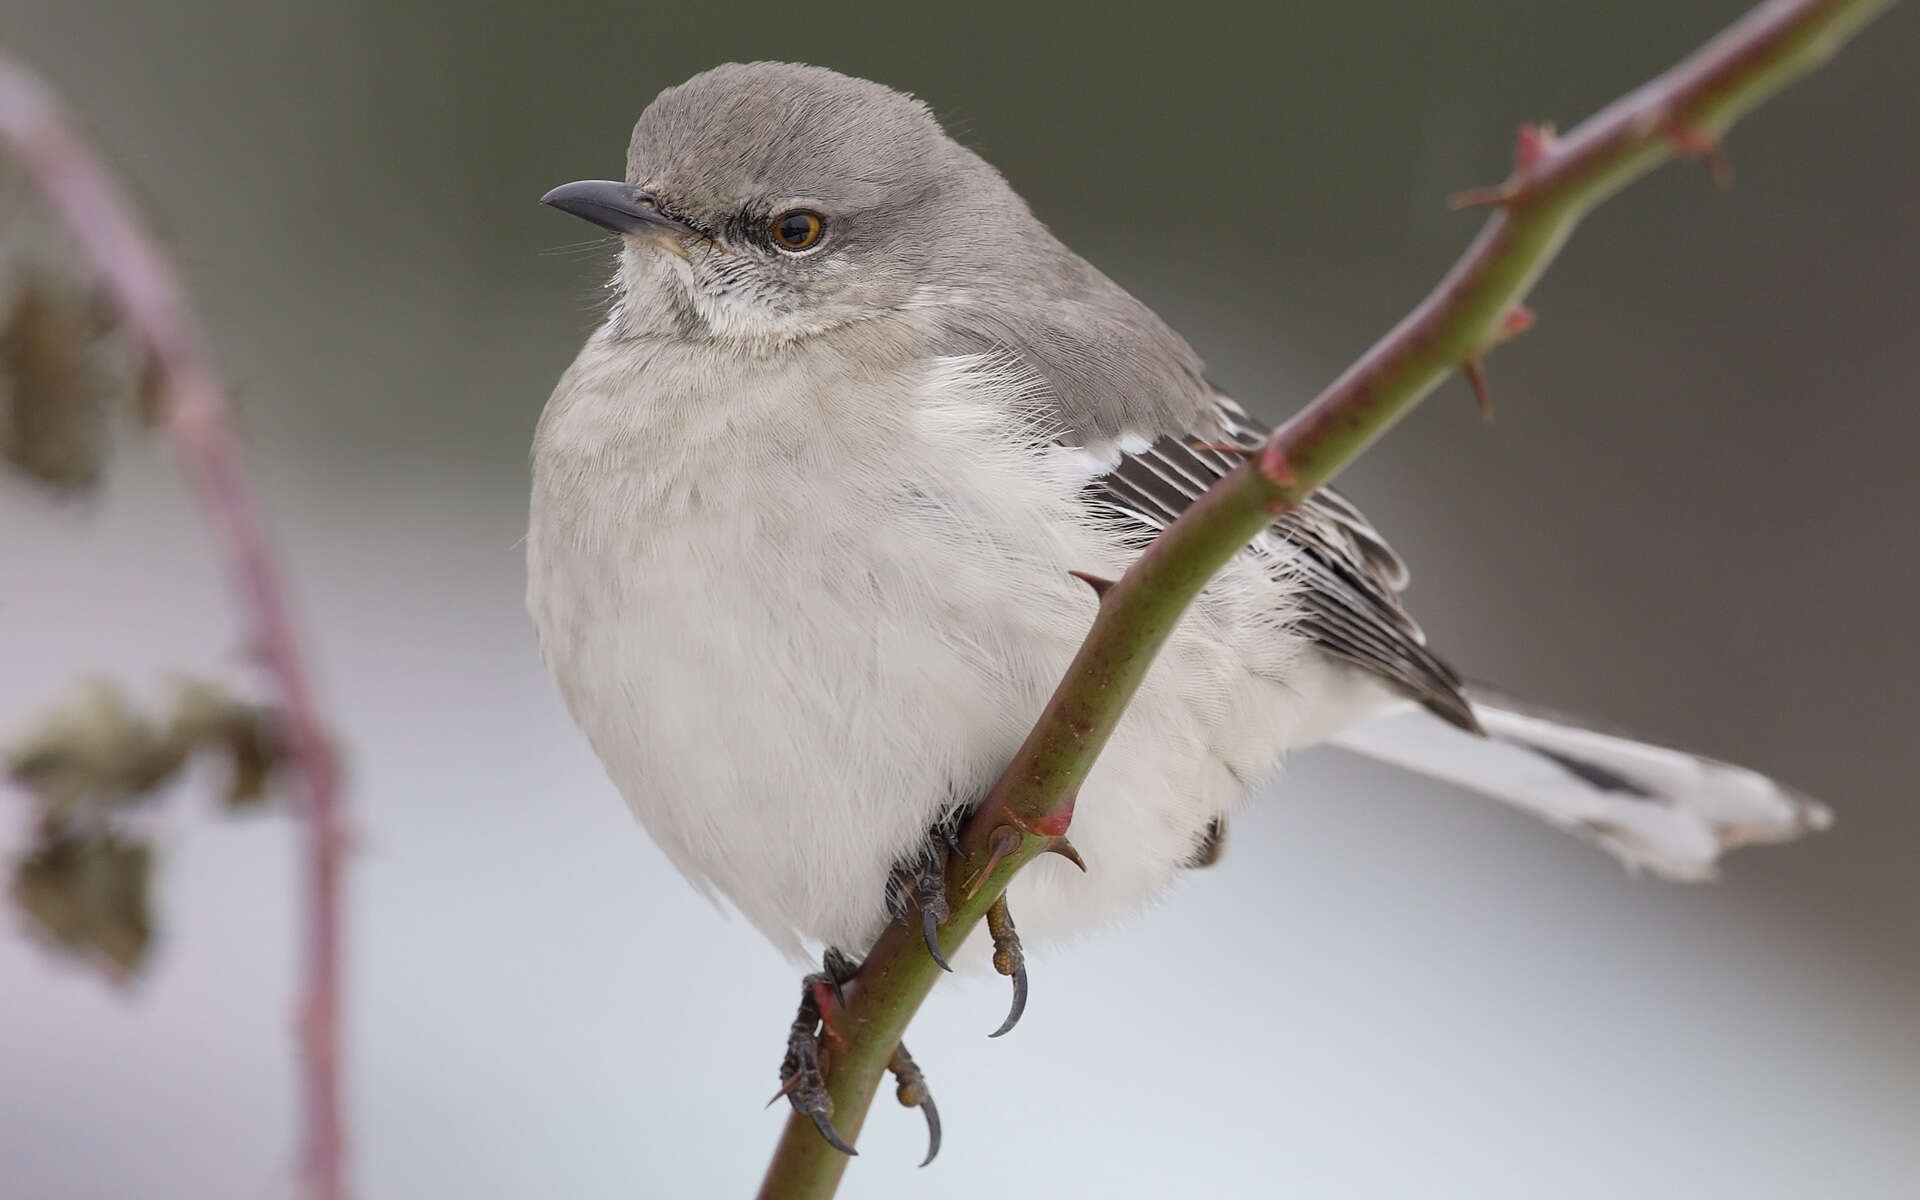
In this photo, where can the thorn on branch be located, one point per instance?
(1098, 583)
(1234, 449)
(1691, 142)
(1065, 849)
(1005, 840)
(1484, 197)
(1532, 147)
(1532, 144)
(1477, 378)
(1518, 320)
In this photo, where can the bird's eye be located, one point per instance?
(797, 230)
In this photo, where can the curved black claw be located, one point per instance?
(920, 881)
(933, 1129)
(839, 970)
(913, 1093)
(1008, 959)
(1019, 1001)
(825, 1125)
(930, 930)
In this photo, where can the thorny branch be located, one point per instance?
(1555, 181)
(192, 410)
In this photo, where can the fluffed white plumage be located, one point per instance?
(799, 628)
(802, 527)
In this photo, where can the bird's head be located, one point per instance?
(766, 202)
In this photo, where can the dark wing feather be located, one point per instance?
(1351, 604)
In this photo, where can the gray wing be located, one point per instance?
(1110, 366)
(1351, 602)
(1116, 376)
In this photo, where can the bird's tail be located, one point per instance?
(1665, 811)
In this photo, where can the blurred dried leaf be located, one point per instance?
(62, 368)
(84, 885)
(204, 715)
(52, 419)
(93, 751)
(89, 895)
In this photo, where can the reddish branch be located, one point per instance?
(1555, 181)
(132, 273)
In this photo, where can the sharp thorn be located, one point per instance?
(1005, 839)
(930, 931)
(1518, 320)
(1477, 376)
(1019, 1002)
(933, 1129)
(785, 1090)
(1233, 448)
(1065, 849)
(825, 1125)
(1486, 197)
(1691, 142)
(1533, 143)
(1097, 583)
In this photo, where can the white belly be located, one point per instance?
(794, 652)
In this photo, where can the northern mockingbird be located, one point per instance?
(805, 505)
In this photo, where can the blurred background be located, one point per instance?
(1693, 516)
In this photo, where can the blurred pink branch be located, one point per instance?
(192, 409)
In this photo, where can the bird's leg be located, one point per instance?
(801, 1081)
(913, 1093)
(917, 891)
(919, 884)
(813, 1030)
(1008, 959)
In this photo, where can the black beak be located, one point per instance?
(620, 207)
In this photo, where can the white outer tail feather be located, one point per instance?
(1687, 812)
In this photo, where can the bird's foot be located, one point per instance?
(1008, 959)
(918, 888)
(813, 1030)
(912, 1092)
(917, 893)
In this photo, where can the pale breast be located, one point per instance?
(801, 611)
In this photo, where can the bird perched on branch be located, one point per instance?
(807, 508)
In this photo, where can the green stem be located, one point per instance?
(1555, 183)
